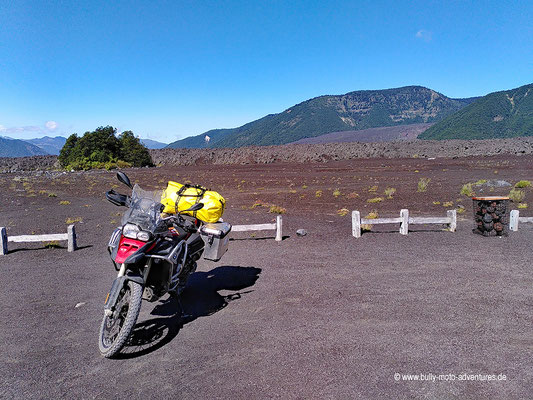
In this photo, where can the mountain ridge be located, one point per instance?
(502, 114)
(354, 110)
(153, 144)
(19, 148)
(52, 145)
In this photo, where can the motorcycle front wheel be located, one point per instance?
(115, 329)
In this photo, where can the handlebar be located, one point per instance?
(181, 222)
(117, 198)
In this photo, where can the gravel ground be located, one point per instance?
(320, 316)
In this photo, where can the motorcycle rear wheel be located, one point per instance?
(115, 329)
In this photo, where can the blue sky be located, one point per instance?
(171, 69)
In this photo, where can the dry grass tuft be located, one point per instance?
(52, 245)
(467, 190)
(277, 210)
(371, 215)
(389, 192)
(423, 184)
(352, 195)
(343, 211)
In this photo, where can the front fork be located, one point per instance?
(116, 287)
(122, 270)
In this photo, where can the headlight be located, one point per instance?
(130, 231)
(144, 236)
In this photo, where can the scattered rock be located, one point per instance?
(306, 153)
(79, 305)
(301, 232)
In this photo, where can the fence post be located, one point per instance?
(404, 225)
(452, 214)
(3, 241)
(279, 227)
(513, 221)
(356, 224)
(71, 233)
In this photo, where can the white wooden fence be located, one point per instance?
(515, 218)
(260, 227)
(70, 237)
(404, 220)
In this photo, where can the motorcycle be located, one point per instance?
(154, 254)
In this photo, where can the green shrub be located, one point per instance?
(103, 149)
(517, 195)
(124, 164)
(375, 200)
(522, 184)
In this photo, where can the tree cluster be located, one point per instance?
(102, 148)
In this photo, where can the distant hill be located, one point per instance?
(352, 111)
(52, 145)
(497, 115)
(383, 134)
(19, 148)
(153, 144)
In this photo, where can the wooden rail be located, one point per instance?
(70, 237)
(515, 218)
(404, 220)
(261, 227)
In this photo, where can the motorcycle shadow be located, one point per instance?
(200, 298)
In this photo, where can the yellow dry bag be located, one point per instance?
(177, 197)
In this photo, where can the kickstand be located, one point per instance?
(176, 296)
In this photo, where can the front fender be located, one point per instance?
(117, 286)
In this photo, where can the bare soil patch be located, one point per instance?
(320, 316)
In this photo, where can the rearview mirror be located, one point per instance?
(122, 177)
